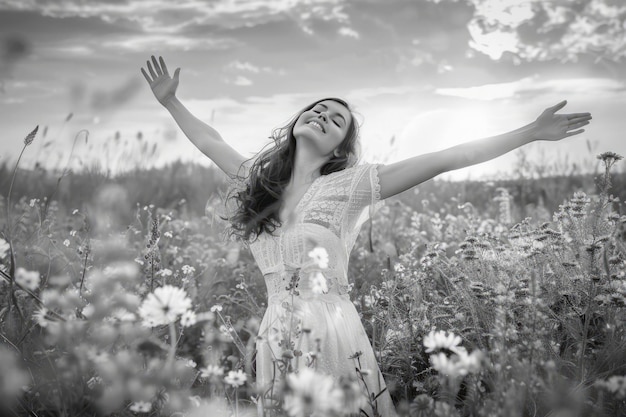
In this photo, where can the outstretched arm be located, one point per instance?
(400, 176)
(203, 136)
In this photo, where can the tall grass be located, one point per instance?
(538, 303)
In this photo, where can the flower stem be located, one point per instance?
(172, 352)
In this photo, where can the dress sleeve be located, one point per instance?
(363, 201)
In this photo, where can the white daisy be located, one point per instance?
(27, 279)
(457, 365)
(164, 306)
(319, 255)
(141, 407)
(188, 318)
(40, 316)
(311, 393)
(318, 283)
(470, 362)
(441, 340)
(236, 378)
(4, 247)
(446, 366)
(211, 370)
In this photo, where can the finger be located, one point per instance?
(163, 66)
(147, 77)
(176, 73)
(154, 76)
(579, 119)
(575, 115)
(577, 125)
(157, 68)
(558, 107)
(576, 132)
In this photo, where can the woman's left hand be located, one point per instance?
(551, 126)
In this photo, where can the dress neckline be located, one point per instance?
(305, 197)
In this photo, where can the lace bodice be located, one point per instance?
(329, 215)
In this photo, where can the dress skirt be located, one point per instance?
(327, 330)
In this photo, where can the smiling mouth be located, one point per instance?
(316, 125)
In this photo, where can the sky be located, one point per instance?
(422, 75)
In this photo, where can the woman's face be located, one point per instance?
(325, 126)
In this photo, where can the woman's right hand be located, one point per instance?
(163, 86)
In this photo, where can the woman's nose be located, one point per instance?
(324, 116)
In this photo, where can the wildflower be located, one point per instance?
(188, 318)
(444, 365)
(443, 409)
(311, 393)
(75, 211)
(609, 158)
(31, 136)
(27, 279)
(165, 272)
(190, 363)
(470, 362)
(40, 316)
(441, 340)
(354, 399)
(93, 381)
(457, 365)
(141, 407)
(4, 247)
(33, 201)
(12, 378)
(216, 307)
(236, 378)
(127, 270)
(188, 270)
(66, 242)
(122, 314)
(318, 283)
(319, 256)
(422, 406)
(615, 384)
(211, 370)
(164, 305)
(168, 234)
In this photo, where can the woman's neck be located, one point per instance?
(306, 168)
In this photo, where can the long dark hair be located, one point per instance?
(258, 200)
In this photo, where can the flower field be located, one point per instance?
(120, 306)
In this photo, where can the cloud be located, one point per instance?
(142, 43)
(159, 15)
(345, 31)
(532, 85)
(239, 66)
(242, 81)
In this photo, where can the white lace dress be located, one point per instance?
(329, 215)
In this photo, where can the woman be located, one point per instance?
(306, 193)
